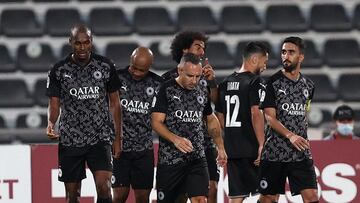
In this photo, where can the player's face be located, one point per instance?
(197, 48)
(261, 65)
(81, 44)
(291, 56)
(190, 75)
(138, 71)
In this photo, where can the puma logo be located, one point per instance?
(124, 88)
(176, 97)
(67, 76)
(262, 85)
(283, 91)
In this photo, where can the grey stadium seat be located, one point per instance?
(312, 56)
(35, 57)
(356, 18)
(197, 19)
(153, 21)
(11, 1)
(20, 23)
(109, 21)
(219, 55)
(58, 22)
(324, 90)
(14, 93)
(329, 18)
(39, 93)
(120, 53)
(49, 1)
(318, 117)
(240, 19)
(348, 87)
(2, 122)
(7, 64)
(285, 18)
(342, 52)
(31, 120)
(162, 61)
(274, 58)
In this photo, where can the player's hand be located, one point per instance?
(298, 142)
(183, 144)
(257, 160)
(221, 158)
(51, 132)
(208, 70)
(117, 147)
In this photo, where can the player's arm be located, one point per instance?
(53, 114)
(157, 123)
(297, 141)
(215, 132)
(115, 110)
(257, 120)
(209, 75)
(220, 117)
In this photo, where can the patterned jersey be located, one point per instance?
(136, 97)
(172, 74)
(237, 94)
(185, 110)
(85, 118)
(291, 99)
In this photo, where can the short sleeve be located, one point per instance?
(269, 99)
(52, 84)
(114, 81)
(160, 103)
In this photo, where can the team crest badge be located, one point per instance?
(150, 91)
(97, 75)
(306, 93)
(203, 82)
(200, 99)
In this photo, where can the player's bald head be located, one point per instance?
(142, 57)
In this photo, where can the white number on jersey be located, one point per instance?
(233, 100)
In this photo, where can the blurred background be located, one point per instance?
(34, 35)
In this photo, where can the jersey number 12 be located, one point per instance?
(230, 120)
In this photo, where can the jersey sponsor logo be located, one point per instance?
(295, 109)
(85, 92)
(135, 106)
(97, 75)
(233, 85)
(189, 116)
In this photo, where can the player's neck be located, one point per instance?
(293, 75)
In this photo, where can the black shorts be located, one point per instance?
(243, 177)
(135, 169)
(72, 161)
(273, 175)
(214, 172)
(191, 178)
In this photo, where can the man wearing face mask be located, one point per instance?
(344, 117)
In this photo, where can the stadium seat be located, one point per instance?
(31, 120)
(94, 0)
(197, 19)
(162, 59)
(20, 23)
(324, 90)
(14, 93)
(109, 21)
(39, 93)
(348, 87)
(240, 19)
(312, 56)
(219, 56)
(356, 17)
(49, 1)
(58, 22)
(120, 53)
(342, 52)
(153, 21)
(274, 58)
(329, 18)
(357, 114)
(7, 64)
(2, 122)
(318, 117)
(11, 1)
(285, 18)
(34, 57)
